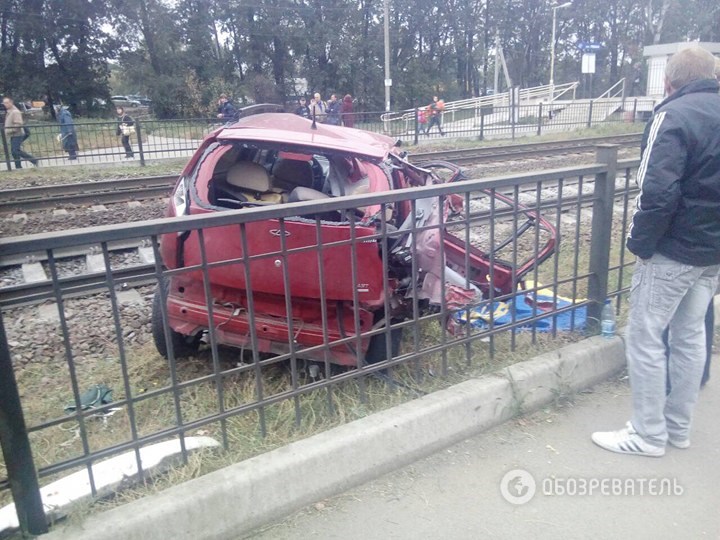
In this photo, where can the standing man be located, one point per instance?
(68, 137)
(675, 234)
(302, 108)
(226, 110)
(333, 111)
(15, 131)
(435, 110)
(318, 108)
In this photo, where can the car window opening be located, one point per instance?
(249, 176)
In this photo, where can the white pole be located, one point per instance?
(552, 56)
(387, 54)
(552, 49)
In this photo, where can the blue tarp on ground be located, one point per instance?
(522, 306)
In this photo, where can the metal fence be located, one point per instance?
(101, 142)
(510, 121)
(522, 257)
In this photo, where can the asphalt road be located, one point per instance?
(456, 494)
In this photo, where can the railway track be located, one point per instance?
(466, 156)
(137, 189)
(94, 280)
(86, 193)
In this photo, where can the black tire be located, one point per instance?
(182, 345)
(377, 348)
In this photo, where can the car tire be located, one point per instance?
(182, 345)
(377, 348)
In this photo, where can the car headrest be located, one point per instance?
(294, 172)
(250, 176)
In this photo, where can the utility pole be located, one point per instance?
(487, 44)
(552, 49)
(388, 80)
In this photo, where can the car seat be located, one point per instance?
(248, 182)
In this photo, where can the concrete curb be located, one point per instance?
(227, 503)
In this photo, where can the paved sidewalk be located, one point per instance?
(456, 494)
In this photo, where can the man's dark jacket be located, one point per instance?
(228, 111)
(678, 209)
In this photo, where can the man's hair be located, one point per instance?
(9, 98)
(688, 65)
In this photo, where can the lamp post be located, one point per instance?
(552, 49)
(388, 80)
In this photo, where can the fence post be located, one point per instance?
(5, 149)
(634, 110)
(589, 120)
(540, 117)
(417, 126)
(16, 448)
(482, 126)
(138, 131)
(601, 232)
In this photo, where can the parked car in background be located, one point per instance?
(27, 108)
(125, 101)
(143, 100)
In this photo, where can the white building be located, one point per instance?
(657, 58)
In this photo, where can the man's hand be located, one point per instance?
(219, 115)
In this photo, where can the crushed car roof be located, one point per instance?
(292, 129)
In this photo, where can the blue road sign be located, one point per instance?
(589, 46)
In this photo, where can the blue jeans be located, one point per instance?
(18, 153)
(666, 293)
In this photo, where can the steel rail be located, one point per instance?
(143, 188)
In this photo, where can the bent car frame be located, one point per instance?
(318, 278)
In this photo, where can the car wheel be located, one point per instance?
(377, 348)
(182, 345)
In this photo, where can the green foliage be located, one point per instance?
(184, 53)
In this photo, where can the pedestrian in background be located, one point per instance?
(333, 111)
(302, 108)
(226, 110)
(435, 110)
(318, 108)
(675, 234)
(125, 129)
(346, 111)
(16, 131)
(68, 137)
(422, 121)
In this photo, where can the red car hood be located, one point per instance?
(293, 129)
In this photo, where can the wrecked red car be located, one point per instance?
(273, 159)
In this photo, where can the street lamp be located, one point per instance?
(388, 80)
(552, 49)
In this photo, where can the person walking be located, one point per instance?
(68, 137)
(302, 109)
(346, 111)
(435, 110)
(16, 132)
(675, 234)
(125, 129)
(226, 110)
(333, 111)
(422, 121)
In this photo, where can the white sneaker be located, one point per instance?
(626, 441)
(679, 443)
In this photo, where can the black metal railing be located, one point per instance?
(315, 307)
(102, 142)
